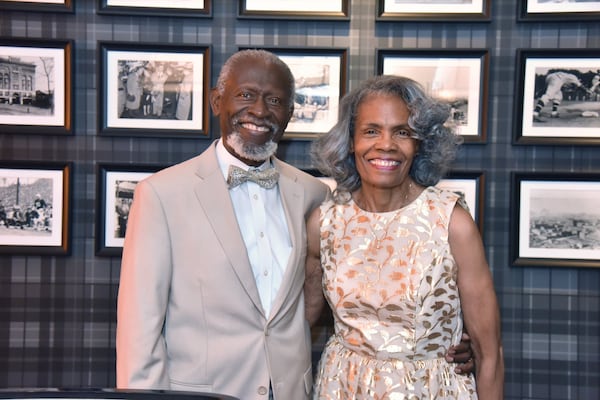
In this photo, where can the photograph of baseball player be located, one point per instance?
(560, 97)
(554, 86)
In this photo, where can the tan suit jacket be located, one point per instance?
(189, 313)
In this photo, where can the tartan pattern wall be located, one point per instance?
(57, 314)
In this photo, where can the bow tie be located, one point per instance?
(266, 178)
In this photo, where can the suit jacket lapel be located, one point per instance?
(292, 197)
(213, 195)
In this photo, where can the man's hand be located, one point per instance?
(462, 355)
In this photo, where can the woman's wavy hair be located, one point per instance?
(331, 152)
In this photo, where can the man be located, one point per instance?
(39, 203)
(553, 93)
(211, 293)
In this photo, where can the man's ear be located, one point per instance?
(215, 101)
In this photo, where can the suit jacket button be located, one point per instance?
(262, 390)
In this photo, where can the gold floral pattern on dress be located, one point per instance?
(391, 282)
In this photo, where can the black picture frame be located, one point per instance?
(274, 9)
(150, 105)
(35, 211)
(421, 11)
(577, 119)
(554, 219)
(534, 11)
(45, 87)
(440, 67)
(471, 184)
(65, 6)
(321, 81)
(162, 8)
(115, 184)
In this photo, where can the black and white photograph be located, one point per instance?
(320, 83)
(557, 219)
(295, 9)
(565, 10)
(116, 184)
(190, 8)
(469, 185)
(35, 86)
(33, 208)
(457, 78)
(434, 9)
(561, 97)
(154, 93)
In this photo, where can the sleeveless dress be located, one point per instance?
(390, 281)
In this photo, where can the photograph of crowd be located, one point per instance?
(25, 205)
(150, 89)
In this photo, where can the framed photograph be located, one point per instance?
(434, 10)
(321, 76)
(38, 5)
(115, 184)
(558, 97)
(36, 86)
(555, 219)
(34, 208)
(153, 90)
(173, 8)
(458, 77)
(470, 185)
(558, 10)
(295, 9)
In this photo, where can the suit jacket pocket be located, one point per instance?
(191, 387)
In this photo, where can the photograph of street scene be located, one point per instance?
(317, 92)
(561, 219)
(28, 79)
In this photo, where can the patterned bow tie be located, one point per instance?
(266, 178)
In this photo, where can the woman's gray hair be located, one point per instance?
(331, 152)
(265, 56)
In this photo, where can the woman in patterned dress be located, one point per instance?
(401, 262)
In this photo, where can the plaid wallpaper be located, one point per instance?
(57, 314)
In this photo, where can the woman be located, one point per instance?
(401, 261)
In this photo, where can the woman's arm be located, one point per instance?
(479, 304)
(313, 290)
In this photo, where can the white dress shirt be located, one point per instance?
(262, 222)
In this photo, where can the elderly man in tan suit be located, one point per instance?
(210, 297)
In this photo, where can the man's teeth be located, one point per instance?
(255, 127)
(384, 163)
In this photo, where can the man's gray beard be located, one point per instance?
(251, 151)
